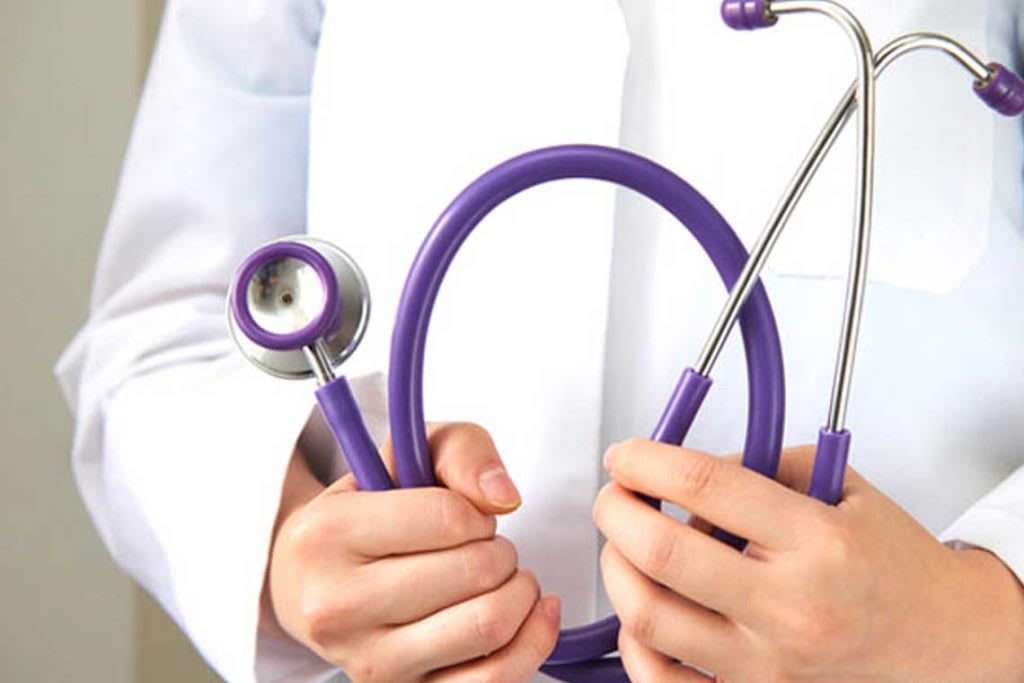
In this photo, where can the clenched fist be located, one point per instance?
(411, 585)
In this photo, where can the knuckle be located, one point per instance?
(305, 535)
(813, 636)
(696, 477)
(486, 563)
(456, 514)
(661, 554)
(493, 627)
(321, 619)
(637, 620)
(835, 543)
(317, 620)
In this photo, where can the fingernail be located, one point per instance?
(498, 488)
(551, 606)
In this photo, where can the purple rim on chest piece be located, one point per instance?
(747, 15)
(1003, 92)
(580, 652)
(319, 327)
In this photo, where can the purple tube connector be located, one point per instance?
(830, 466)
(747, 15)
(1003, 92)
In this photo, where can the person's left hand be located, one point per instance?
(856, 592)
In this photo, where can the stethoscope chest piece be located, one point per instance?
(295, 294)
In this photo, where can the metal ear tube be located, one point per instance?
(1000, 89)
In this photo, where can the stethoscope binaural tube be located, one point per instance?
(833, 439)
(998, 87)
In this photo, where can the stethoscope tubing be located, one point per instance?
(760, 334)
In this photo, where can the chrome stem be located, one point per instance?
(794, 192)
(320, 362)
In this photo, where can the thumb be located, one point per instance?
(467, 462)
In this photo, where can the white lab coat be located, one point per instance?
(567, 317)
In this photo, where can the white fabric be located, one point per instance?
(568, 316)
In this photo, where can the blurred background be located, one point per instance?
(71, 77)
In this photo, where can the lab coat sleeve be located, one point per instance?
(995, 523)
(180, 446)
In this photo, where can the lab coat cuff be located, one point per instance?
(992, 529)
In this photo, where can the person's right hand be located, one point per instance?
(411, 585)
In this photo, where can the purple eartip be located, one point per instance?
(1004, 91)
(746, 15)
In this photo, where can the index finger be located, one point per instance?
(726, 494)
(402, 521)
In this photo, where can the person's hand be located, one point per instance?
(411, 585)
(856, 592)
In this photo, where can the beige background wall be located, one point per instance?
(70, 74)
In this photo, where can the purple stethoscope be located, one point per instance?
(299, 306)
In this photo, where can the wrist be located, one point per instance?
(990, 629)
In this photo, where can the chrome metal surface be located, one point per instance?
(319, 360)
(285, 296)
(932, 41)
(807, 170)
(865, 93)
(279, 316)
